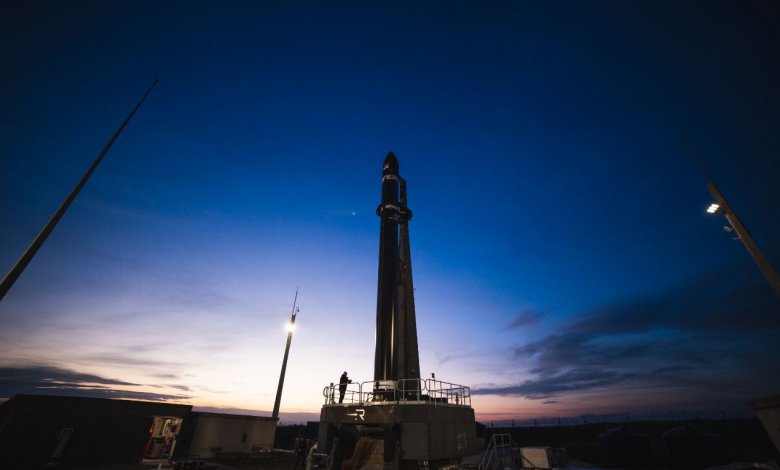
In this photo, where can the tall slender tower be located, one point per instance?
(396, 356)
(18, 268)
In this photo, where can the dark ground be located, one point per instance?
(721, 442)
(642, 445)
(276, 462)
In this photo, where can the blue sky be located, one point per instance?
(563, 260)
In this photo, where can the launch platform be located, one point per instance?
(432, 425)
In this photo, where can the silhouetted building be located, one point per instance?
(41, 430)
(37, 429)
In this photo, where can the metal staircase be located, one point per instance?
(498, 454)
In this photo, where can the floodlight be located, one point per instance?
(290, 327)
(713, 208)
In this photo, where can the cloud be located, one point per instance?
(712, 303)
(47, 374)
(445, 358)
(712, 336)
(164, 376)
(524, 318)
(125, 359)
(49, 380)
(565, 382)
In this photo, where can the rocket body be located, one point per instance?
(396, 357)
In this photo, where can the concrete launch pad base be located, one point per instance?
(396, 435)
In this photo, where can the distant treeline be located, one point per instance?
(286, 434)
(623, 418)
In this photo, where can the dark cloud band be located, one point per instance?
(714, 336)
(49, 380)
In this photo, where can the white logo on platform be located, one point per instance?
(359, 413)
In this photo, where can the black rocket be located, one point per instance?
(397, 357)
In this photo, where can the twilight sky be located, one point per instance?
(563, 260)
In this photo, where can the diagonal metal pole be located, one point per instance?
(744, 236)
(742, 232)
(27, 256)
(278, 401)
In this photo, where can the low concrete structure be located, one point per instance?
(210, 434)
(76, 432)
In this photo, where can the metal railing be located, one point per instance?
(405, 390)
(350, 394)
(448, 392)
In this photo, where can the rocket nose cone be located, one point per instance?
(391, 164)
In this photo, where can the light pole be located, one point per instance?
(721, 206)
(290, 328)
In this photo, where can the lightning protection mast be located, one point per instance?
(18, 268)
(290, 328)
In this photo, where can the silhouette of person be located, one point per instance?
(343, 381)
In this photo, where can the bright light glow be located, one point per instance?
(713, 208)
(290, 327)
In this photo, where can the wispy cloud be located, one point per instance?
(524, 317)
(712, 335)
(48, 374)
(568, 381)
(164, 376)
(445, 358)
(56, 381)
(123, 359)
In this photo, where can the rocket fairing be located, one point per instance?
(397, 356)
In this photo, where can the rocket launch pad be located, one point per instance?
(398, 420)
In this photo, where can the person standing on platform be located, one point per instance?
(343, 381)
